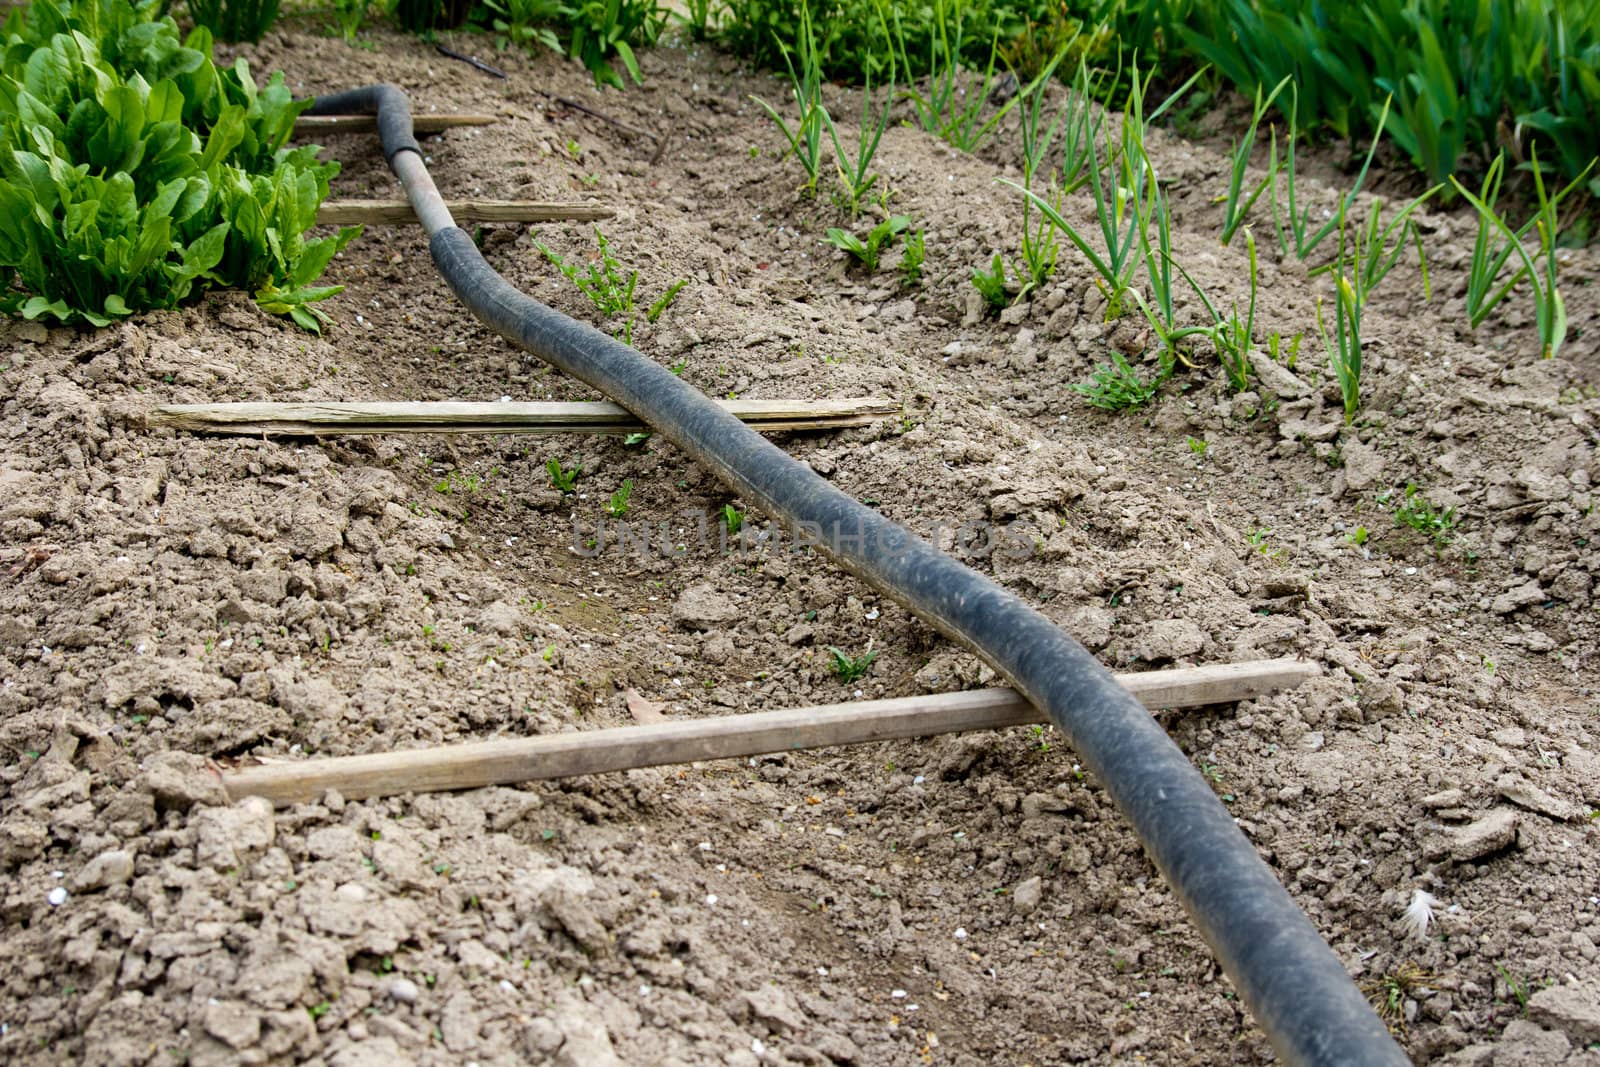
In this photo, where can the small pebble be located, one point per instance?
(961, 933)
(711, 899)
(57, 897)
(898, 994)
(404, 990)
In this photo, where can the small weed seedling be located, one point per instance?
(1258, 541)
(878, 238)
(665, 300)
(1358, 536)
(1416, 512)
(1518, 988)
(911, 258)
(1388, 993)
(1117, 386)
(604, 283)
(991, 284)
(617, 506)
(848, 669)
(732, 519)
(561, 477)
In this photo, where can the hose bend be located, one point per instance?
(1294, 985)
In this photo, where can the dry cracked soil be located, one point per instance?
(177, 603)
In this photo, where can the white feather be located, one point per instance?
(1419, 913)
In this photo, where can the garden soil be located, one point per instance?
(177, 603)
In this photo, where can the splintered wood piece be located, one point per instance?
(602, 417)
(522, 759)
(399, 213)
(308, 124)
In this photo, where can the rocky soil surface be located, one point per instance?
(175, 603)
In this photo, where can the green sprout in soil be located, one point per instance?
(911, 258)
(609, 287)
(1117, 386)
(617, 506)
(1416, 512)
(732, 519)
(848, 668)
(991, 284)
(562, 478)
(878, 238)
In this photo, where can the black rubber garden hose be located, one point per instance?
(1291, 981)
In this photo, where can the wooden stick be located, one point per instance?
(399, 213)
(602, 417)
(307, 124)
(625, 747)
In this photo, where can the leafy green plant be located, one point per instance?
(1237, 200)
(617, 506)
(111, 202)
(991, 284)
(601, 29)
(732, 519)
(1550, 309)
(805, 84)
(602, 281)
(235, 20)
(850, 668)
(1457, 70)
(1418, 513)
(609, 286)
(911, 258)
(1116, 386)
(878, 238)
(562, 478)
(524, 23)
(350, 14)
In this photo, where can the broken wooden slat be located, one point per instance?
(603, 417)
(399, 212)
(308, 124)
(509, 760)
